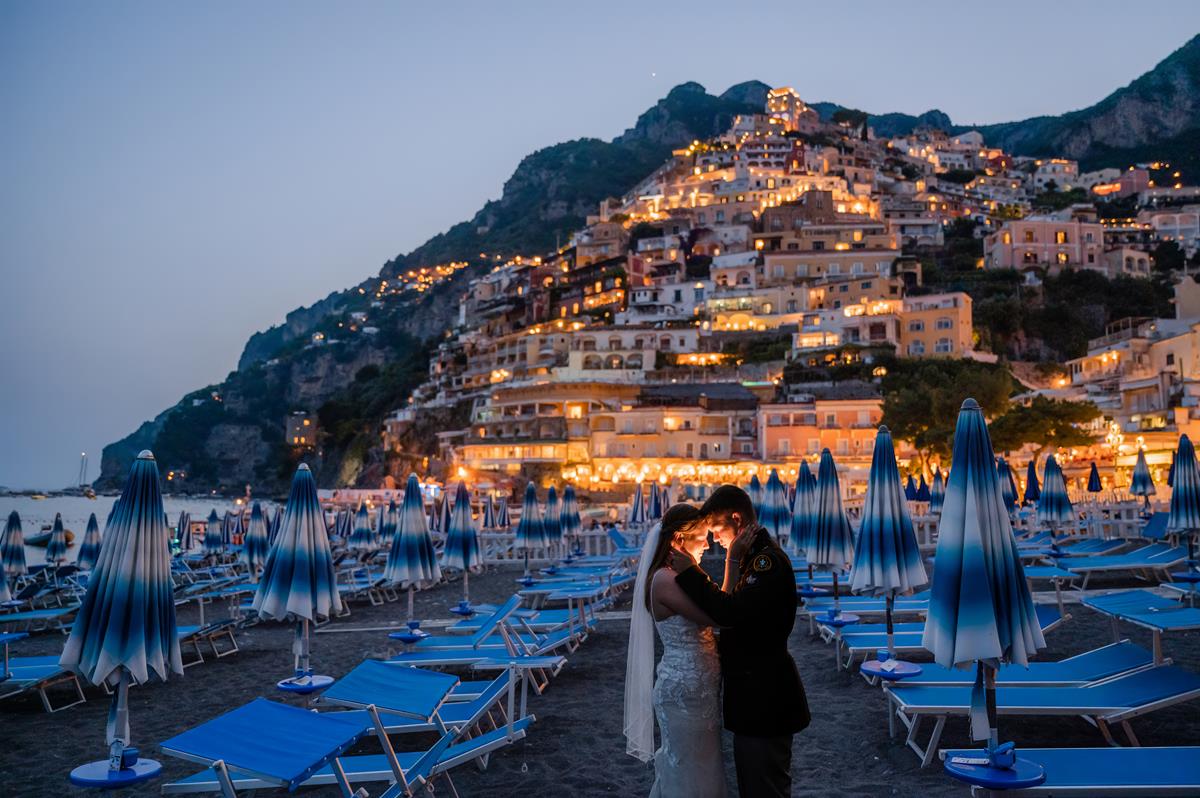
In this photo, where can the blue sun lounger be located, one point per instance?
(276, 744)
(1113, 701)
(38, 675)
(485, 634)
(1107, 772)
(57, 618)
(1086, 668)
(1143, 562)
(190, 637)
(453, 714)
(1148, 610)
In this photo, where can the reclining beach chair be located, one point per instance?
(1113, 701)
(1089, 667)
(1149, 611)
(1143, 563)
(39, 675)
(1107, 772)
(56, 618)
(214, 635)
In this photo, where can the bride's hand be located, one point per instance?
(679, 561)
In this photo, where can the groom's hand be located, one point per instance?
(741, 542)
(679, 561)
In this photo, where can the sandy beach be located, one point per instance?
(576, 746)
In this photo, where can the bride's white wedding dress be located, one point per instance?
(687, 704)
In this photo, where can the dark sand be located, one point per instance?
(576, 747)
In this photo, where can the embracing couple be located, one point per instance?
(732, 636)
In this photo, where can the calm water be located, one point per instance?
(76, 509)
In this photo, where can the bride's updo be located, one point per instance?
(677, 522)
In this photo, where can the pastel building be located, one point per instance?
(1039, 242)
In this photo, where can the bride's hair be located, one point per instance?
(676, 521)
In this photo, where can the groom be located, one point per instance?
(764, 702)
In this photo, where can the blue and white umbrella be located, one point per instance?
(231, 526)
(831, 540)
(212, 535)
(360, 538)
(1054, 505)
(755, 489)
(124, 630)
(1142, 483)
(1032, 491)
(1008, 484)
(12, 548)
(276, 520)
(1184, 517)
(56, 546)
(256, 545)
(530, 534)
(488, 509)
(390, 522)
(1094, 485)
(343, 525)
(910, 489)
(502, 519)
(887, 559)
(637, 509)
(462, 541)
(183, 531)
(446, 510)
(776, 515)
(1171, 472)
(654, 508)
(937, 493)
(298, 582)
(980, 607)
(923, 490)
(552, 520)
(803, 510)
(412, 559)
(89, 549)
(568, 517)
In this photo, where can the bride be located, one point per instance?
(686, 696)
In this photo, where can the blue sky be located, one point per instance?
(177, 176)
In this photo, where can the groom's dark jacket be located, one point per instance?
(764, 696)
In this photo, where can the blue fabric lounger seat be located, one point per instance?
(58, 618)
(1148, 559)
(366, 768)
(1148, 610)
(537, 620)
(545, 644)
(280, 745)
(1110, 772)
(1086, 668)
(1116, 700)
(39, 674)
(456, 715)
(218, 635)
(483, 635)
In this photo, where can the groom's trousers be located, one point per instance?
(764, 766)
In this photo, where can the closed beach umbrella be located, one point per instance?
(298, 581)
(529, 528)
(343, 525)
(489, 512)
(462, 542)
(776, 515)
(980, 607)
(1184, 518)
(937, 493)
(212, 535)
(923, 490)
(56, 546)
(276, 520)
(412, 559)
(1171, 472)
(637, 509)
(183, 531)
(230, 527)
(390, 522)
(1142, 483)
(257, 544)
(1008, 484)
(1094, 485)
(89, 549)
(568, 516)
(910, 489)
(360, 538)
(445, 510)
(831, 541)
(552, 520)
(1032, 491)
(755, 489)
(654, 508)
(125, 629)
(12, 549)
(887, 559)
(1054, 506)
(803, 509)
(502, 519)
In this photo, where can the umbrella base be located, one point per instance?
(972, 767)
(303, 685)
(96, 775)
(464, 609)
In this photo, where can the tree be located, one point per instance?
(1046, 423)
(1168, 257)
(921, 399)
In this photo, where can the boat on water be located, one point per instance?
(43, 537)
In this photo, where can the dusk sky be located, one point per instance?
(177, 176)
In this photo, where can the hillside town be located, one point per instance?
(689, 332)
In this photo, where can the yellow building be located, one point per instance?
(937, 325)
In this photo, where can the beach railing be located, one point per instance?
(500, 546)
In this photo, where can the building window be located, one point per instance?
(916, 326)
(916, 348)
(943, 346)
(1060, 237)
(944, 323)
(1029, 239)
(785, 447)
(1062, 258)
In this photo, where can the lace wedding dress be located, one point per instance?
(687, 704)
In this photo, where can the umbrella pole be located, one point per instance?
(467, 582)
(836, 604)
(118, 721)
(989, 682)
(410, 601)
(891, 636)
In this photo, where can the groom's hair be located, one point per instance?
(730, 499)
